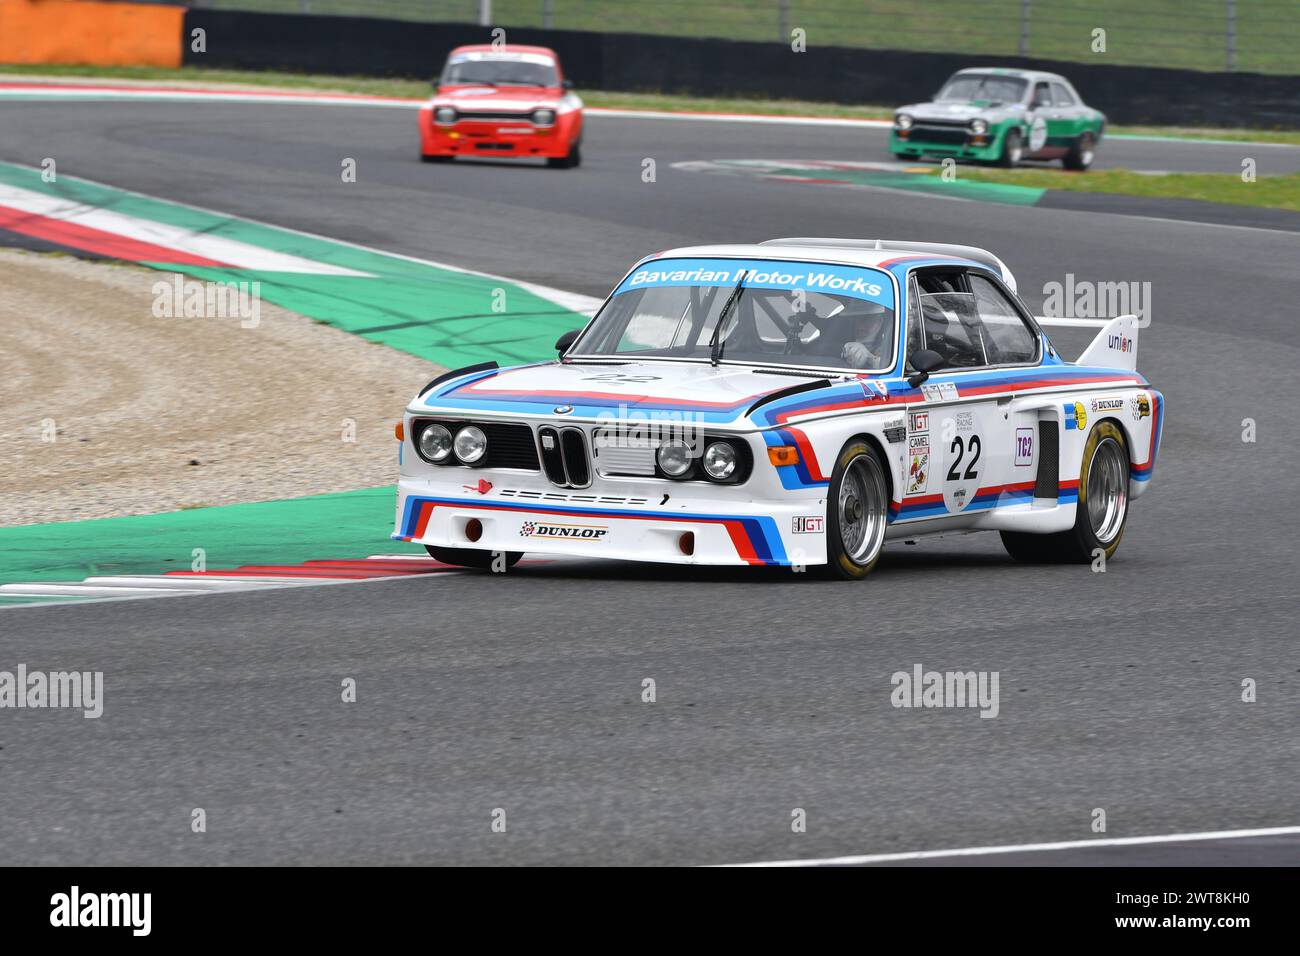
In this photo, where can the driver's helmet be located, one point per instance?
(864, 321)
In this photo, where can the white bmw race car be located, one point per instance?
(796, 402)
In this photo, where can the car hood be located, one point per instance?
(656, 390)
(497, 98)
(962, 112)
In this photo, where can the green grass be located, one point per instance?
(1276, 192)
(1189, 34)
(416, 89)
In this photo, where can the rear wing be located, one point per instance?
(1115, 345)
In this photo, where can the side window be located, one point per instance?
(1042, 95)
(949, 319)
(915, 329)
(1063, 97)
(1007, 339)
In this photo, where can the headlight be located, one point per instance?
(903, 121)
(435, 443)
(471, 444)
(674, 458)
(444, 114)
(979, 127)
(720, 460)
(543, 117)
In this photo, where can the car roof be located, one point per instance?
(505, 48)
(1031, 75)
(863, 252)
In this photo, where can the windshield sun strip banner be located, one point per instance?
(859, 282)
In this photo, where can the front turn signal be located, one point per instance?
(399, 431)
(783, 455)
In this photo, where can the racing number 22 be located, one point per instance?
(959, 450)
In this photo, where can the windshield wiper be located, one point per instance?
(715, 344)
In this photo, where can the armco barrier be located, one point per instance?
(97, 34)
(710, 67)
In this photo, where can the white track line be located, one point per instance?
(185, 582)
(1032, 847)
(83, 590)
(80, 90)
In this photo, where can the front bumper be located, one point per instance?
(497, 138)
(915, 145)
(745, 532)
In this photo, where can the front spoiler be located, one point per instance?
(724, 533)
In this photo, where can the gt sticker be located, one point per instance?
(584, 532)
(1075, 416)
(918, 453)
(1024, 447)
(809, 524)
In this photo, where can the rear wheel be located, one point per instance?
(1102, 511)
(472, 557)
(857, 505)
(1082, 153)
(1013, 149)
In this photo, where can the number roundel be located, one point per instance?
(964, 460)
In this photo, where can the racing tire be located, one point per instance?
(1013, 149)
(570, 161)
(471, 557)
(1102, 511)
(1081, 154)
(857, 507)
(426, 158)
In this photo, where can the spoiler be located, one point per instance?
(1115, 345)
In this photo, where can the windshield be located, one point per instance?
(500, 69)
(793, 314)
(984, 86)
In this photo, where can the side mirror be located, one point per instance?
(564, 341)
(567, 84)
(924, 361)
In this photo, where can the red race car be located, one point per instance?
(506, 100)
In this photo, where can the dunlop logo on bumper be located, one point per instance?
(584, 532)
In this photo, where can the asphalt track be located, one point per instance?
(1119, 691)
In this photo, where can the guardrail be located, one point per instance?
(708, 67)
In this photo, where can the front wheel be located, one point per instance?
(570, 161)
(1013, 149)
(1102, 511)
(474, 558)
(857, 505)
(1081, 154)
(426, 158)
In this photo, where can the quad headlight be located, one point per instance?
(445, 115)
(434, 443)
(903, 121)
(544, 117)
(471, 444)
(720, 460)
(979, 127)
(674, 458)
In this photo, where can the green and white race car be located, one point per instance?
(1001, 116)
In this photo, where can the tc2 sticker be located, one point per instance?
(1024, 447)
